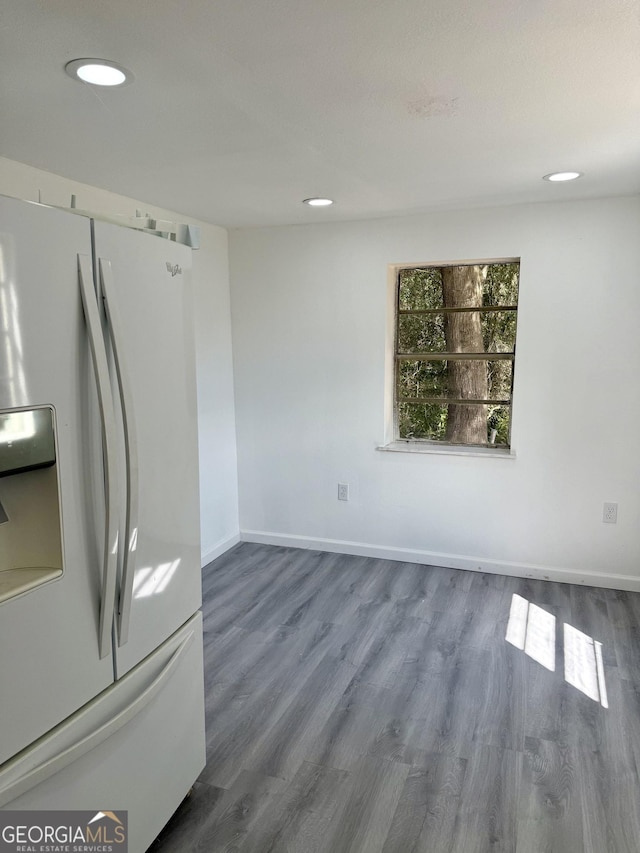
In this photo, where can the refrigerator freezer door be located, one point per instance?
(49, 654)
(147, 287)
(138, 747)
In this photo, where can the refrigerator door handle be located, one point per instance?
(130, 448)
(105, 405)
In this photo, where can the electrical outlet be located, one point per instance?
(343, 491)
(610, 513)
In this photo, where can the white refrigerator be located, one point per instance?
(101, 677)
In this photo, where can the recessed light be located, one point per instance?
(562, 176)
(318, 202)
(98, 72)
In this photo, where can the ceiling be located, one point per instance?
(242, 108)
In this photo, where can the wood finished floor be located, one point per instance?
(357, 705)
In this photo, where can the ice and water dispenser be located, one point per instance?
(30, 531)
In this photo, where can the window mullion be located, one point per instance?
(455, 356)
(444, 401)
(478, 309)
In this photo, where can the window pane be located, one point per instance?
(430, 421)
(501, 284)
(499, 331)
(420, 289)
(427, 332)
(421, 333)
(464, 379)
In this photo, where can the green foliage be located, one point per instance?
(501, 284)
(422, 379)
(421, 333)
(427, 420)
(500, 288)
(421, 289)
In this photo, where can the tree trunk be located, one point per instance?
(462, 288)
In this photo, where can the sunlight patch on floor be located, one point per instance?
(583, 667)
(533, 630)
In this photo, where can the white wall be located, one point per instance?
(309, 314)
(218, 464)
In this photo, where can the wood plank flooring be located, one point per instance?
(357, 705)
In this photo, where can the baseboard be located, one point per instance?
(449, 561)
(218, 549)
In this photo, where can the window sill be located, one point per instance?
(447, 449)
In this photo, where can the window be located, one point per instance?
(455, 343)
